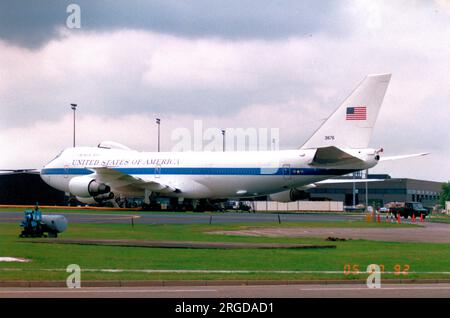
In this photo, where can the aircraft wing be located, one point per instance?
(119, 180)
(404, 156)
(13, 171)
(333, 156)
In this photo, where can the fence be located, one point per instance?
(299, 206)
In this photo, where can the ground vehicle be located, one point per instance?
(407, 209)
(35, 224)
(384, 209)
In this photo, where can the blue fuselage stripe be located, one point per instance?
(206, 171)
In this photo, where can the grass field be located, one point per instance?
(441, 218)
(49, 261)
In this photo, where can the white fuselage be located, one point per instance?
(202, 175)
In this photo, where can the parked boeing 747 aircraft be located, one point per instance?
(338, 147)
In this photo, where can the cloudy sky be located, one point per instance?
(247, 63)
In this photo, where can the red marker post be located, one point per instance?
(398, 218)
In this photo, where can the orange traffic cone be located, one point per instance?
(398, 218)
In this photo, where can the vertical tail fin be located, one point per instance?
(351, 125)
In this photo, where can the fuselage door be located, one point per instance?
(286, 170)
(157, 171)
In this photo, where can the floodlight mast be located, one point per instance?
(74, 108)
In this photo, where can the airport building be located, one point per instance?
(380, 192)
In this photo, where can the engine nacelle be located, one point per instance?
(97, 199)
(87, 187)
(289, 195)
(87, 200)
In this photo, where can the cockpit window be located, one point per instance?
(418, 206)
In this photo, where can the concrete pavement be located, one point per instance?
(262, 291)
(186, 218)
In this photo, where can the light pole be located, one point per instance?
(367, 190)
(74, 108)
(354, 191)
(223, 139)
(158, 122)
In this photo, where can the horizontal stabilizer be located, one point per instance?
(332, 156)
(404, 156)
(333, 181)
(16, 171)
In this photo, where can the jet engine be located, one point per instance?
(88, 200)
(289, 195)
(87, 187)
(96, 199)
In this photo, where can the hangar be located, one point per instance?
(28, 188)
(380, 192)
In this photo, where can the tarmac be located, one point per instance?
(238, 291)
(186, 218)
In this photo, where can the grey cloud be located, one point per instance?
(49, 101)
(32, 23)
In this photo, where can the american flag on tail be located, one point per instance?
(356, 113)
